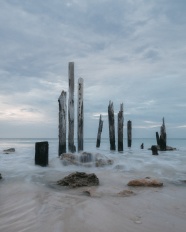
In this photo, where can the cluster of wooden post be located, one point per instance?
(63, 115)
(111, 123)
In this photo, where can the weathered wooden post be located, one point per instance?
(154, 150)
(111, 126)
(157, 138)
(129, 133)
(41, 153)
(62, 123)
(163, 137)
(120, 128)
(80, 118)
(99, 131)
(71, 146)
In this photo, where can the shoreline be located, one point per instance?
(35, 206)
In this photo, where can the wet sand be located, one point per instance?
(27, 206)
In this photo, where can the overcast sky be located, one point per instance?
(130, 51)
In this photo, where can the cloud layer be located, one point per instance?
(130, 51)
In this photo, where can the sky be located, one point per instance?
(127, 51)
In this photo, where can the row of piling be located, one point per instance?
(111, 122)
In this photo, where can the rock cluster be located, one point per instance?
(85, 159)
(79, 179)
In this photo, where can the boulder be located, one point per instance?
(79, 179)
(146, 182)
(9, 150)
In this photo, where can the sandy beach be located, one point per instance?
(27, 206)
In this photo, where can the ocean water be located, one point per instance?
(170, 165)
(30, 200)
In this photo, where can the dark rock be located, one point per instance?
(168, 148)
(9, 150)
(79, 179)
(154, 150)
(145, 183)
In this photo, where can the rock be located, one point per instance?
(91, 192)
(9, 150)
(145, 183)
(126, 193)
(69, 158)
(102, 162)
(79, 179)
(168, 148)
(86, 157)
(154, 150)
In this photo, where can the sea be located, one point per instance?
(170, 165)
(26, 189)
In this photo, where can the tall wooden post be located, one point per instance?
(163, 137)
(120, 128)
(80, 117)
(111, 126)
(157, 138)
(129, 133)
(62, 123)
(71, 146)
(99, 131)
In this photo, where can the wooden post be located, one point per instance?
(99, 131)
(41, 153)
(80, 118)
(129, 133)
(71, 146)
(163, 137)
(120, 128)
(62, 123)
(111, 126)
(154, 150)
(157, 138)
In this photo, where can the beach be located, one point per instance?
(30, 199)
